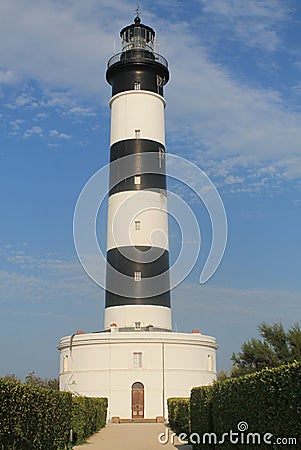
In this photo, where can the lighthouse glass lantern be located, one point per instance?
(137, 36)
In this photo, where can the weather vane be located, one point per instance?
(138, 10)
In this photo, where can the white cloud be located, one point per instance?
(231, 122)
(57, 135)
(40, 116)
(25, 100)
(241, 299)
(16, 126)
(64, 48)
(81, 111)
(231, 315)
(231, 179)
(63, 45)
(34, 131)
(31, 278)
(6, 76)
(256, 23)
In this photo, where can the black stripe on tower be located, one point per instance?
(135, 72)
(150, 167)
(129, 260)
(133, 146)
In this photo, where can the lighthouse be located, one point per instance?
(136, 360)
(137, 76)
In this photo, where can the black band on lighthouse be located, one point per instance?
(133, 146)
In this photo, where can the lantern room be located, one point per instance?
(137, 37)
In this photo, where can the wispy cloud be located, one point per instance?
(254, 23)
(34, 131)
(229, 122)
(58, 135)
(212, 115)
(31, 277)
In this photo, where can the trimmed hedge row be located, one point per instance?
(88, 416)
(33, 418)
(179, 414)
(268, 401)
(201, 411)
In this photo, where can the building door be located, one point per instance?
(137, 401)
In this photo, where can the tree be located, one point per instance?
(53, 383)
(11, 377)
(34, 380)
(276, 347)
(222, 376)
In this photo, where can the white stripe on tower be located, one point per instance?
(137, 236)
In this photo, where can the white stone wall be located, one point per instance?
(101, 365)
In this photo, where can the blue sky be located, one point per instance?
(233, 108)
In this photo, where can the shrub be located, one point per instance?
(268, 401)
(88, 416)
(33, 418)
(36, 418)
(201, 413)
(179, 414)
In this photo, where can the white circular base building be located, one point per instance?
(136, 370)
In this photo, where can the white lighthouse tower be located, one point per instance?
(137, 361)
(137, 76)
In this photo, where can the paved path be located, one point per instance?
(131, 436)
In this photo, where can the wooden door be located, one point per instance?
(137, 401)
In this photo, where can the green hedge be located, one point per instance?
(179, 414)
(268, 401)
(88, 416)
(33, 418)
(201, 412)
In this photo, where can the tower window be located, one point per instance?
(137, 225)
(137, 85)
(137, 359)
(65, 364)
(161, 156)
(137, 276)
(159, 81)
(137, 325)
(137, 134)
(210, 363)
(137, 179)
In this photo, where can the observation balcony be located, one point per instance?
(136, 55)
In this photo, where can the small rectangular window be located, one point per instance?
(137, 85)
(137, 225)
(137, 360)
(137, 179)
(65, 364)
(210, 363)
(161, 156)
(137, 276)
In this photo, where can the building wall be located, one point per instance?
(102, 365)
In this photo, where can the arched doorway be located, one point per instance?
(137, 401)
